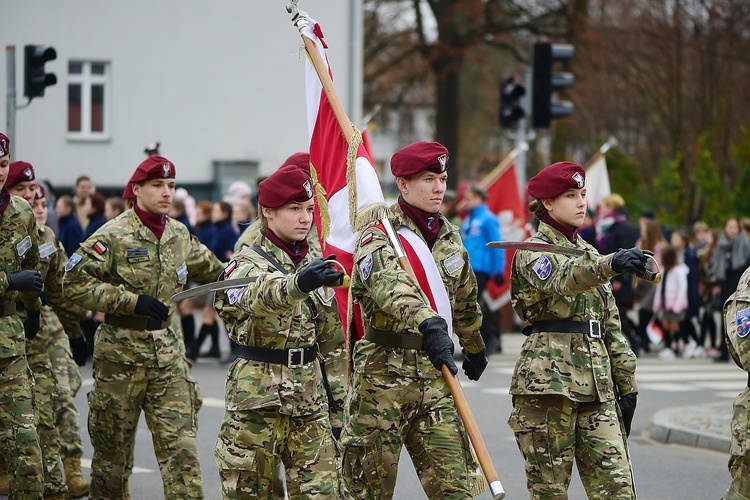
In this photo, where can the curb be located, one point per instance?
(705, 426)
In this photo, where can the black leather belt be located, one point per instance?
(292, 357)
(135, 323)
(591, 328)
(391, 339)
(8, 309)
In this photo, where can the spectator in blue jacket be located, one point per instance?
(94, 209)
(226, 235)
(70, 234)
(479, 228)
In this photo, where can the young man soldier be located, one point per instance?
(19, 258)
(399, 394)
(129, 269)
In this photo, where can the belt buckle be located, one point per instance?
(298, 351)
(595, 329)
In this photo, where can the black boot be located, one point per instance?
(194, 350)
(214, 352)
(188, 330)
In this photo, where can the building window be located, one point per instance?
(88, 100)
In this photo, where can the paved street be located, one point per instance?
(661, 471)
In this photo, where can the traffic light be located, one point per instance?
(545, 107)
(511, 110)
(35, 80)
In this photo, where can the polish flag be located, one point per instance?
(338, 225)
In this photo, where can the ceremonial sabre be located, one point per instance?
(212, 287)
(650, 276)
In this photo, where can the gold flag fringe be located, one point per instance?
(320, 198)
(358, 220)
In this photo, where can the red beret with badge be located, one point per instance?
(154, 167)
(19, 171)
(557, 178)
(287, 184)
(418, 157)
(301, 160)
(4, 145)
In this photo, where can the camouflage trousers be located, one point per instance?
(552, 432)
(386, 413)
(69, 381)
(170, 400)
(251, 442)
(46, 394)
(20, 442)
(739, 469)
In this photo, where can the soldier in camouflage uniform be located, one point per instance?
(575, 366)
(19, 259)
(129, 268)
(399, 395)
(21, 182)
(286, 390)
(737, 336)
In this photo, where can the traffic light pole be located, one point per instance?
(10, 117)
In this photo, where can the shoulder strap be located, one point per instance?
(277, 265)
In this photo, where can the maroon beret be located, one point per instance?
(154, 167)
(301, 160)
(19, 171)
(554, 180)
(4, 145)
(287, 184)
(40, 192)
(418, 157)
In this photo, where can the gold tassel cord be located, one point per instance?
(358, 220)
(320, 198)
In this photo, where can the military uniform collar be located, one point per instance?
(400, 219)
(144, 233)
(277, 253)
(555, 237)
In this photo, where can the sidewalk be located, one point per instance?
(703, 426)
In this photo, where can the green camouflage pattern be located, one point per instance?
(398, 397)
(549, 431)
(18, 419)
(736, 310)
(46, 395)
(133, 263)
(19, 233)
(270, 404)
(261, 438)
(576, 366)
(171, 399)
(69, 380)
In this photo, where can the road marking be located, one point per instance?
(697, 377)
(505, 391)
(85, 462)
(213, 403)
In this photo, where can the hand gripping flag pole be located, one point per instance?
(300, 21)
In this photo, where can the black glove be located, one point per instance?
(499, 279)
(631, 260)
(437, 343)
(80, 350)
(627, 408)
(474, 364)
(26, 281)
(318, 273)
(31, 324)
(336, 431)
(149, 306)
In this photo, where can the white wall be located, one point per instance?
(211, 81)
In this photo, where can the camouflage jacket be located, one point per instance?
(122, 260)
(251, 233)
(274, 313)
(548, 286)
(737, 334)
(392, 301)
(19, 249)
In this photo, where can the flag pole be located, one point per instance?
(611, 142)
(485, 461)
(504, 164)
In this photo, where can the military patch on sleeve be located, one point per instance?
(23, 246)
(743, 323)
(366, 266)
(543, 267)
(325, 294)
(100, 247)
(230, 267)
(453, 263)
(234, 294)
(72, 262)
(182, 272)
(365, 239)
(47, 249)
